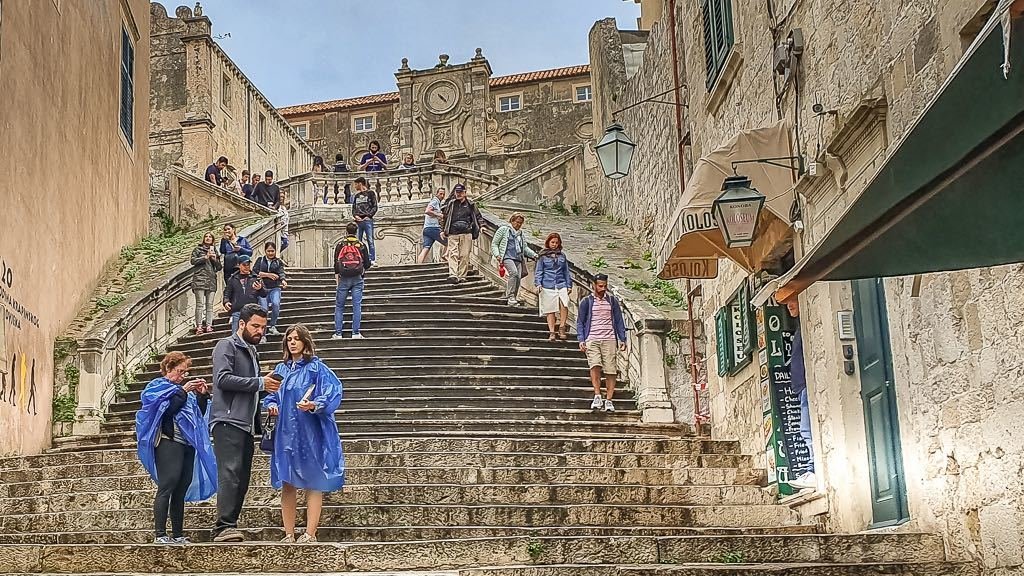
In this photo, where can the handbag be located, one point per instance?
(267, 441)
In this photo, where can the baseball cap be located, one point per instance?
(459, 188)
(243, 259)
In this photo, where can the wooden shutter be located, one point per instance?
(723, 339)
(127, 112)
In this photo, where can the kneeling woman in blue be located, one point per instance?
(307, 451)
(174, 444)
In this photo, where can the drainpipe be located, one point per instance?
(248, 132)
(677, 87)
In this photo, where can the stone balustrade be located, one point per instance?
(149, 321)
(393, 186)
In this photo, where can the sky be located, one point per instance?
(299, 51)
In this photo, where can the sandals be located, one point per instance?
(562, 334)
(552, 336)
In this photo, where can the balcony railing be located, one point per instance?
(393, 186)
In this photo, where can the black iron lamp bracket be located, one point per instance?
(794, 162)
(654, 100)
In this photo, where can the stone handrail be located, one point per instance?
(647, 329)
(146, 322)
(392, 186)
(509, 186)
(192, 200)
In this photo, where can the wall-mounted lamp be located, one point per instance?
(615, 150)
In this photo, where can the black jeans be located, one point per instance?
(174, 464)
(234, 450)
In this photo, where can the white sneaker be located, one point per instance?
(336, 336)
(273, 331)
(357, 336)
(805, 480)
(608, 406)
(597, 404)
(513, 302)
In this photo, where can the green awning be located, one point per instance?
(952, 194)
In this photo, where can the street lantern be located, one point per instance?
(615, 151)
(737, 211)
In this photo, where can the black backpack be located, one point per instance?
(349, 262)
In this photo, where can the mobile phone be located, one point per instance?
(276, 376)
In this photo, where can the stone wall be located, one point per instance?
(194, 200)
(74, 187)
(956, 337)
(203, 106)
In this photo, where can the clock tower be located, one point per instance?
(445, 108)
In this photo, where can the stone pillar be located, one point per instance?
(480, 101)
(405, 103)
(89, 413)
(652, 391)
(196, 144)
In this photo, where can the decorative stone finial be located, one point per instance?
(183, 12)
(198, 11)
(479, 53)
(444, 60)
(405, 64)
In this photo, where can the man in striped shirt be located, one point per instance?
(602, 334)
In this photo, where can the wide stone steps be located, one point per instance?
(470, 451)
(598, 448)
(518, 555)
(466, 495)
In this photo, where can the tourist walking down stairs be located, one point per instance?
(553, 282)
(461, 227)
(174, 445)
(205, 265)
(270, 270)
(306, 452)
(601, 331)
(510, 251)
(432, 227)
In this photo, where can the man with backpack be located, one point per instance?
(461, 227)
(364, 208)
(351, 261)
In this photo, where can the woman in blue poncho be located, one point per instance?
(174, 444)
(307, 451)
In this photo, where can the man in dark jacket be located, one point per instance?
(267, 193)
(602, 334)
(351, 261)
(460, 227)
(234, 416)
(242, 288)
(364, 208)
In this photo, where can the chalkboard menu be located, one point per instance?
(787, 455)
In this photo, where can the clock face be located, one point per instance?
(441, 97)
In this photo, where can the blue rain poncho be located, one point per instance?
(307, 451)
(194, 428)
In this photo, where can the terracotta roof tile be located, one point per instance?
(343, 104)
(540, 75)
(392, 97)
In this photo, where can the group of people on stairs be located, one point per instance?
(173, 430)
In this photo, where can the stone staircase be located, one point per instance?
(470, 449)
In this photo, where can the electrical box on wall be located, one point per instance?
(844, 323)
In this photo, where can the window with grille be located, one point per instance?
(718, 37)
(363, 123)
(127, 111)
(510, 103)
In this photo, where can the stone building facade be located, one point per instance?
(501, 125)
(954, 340)
(73, 172)
(203, 106)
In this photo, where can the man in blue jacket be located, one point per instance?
(602, 334)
